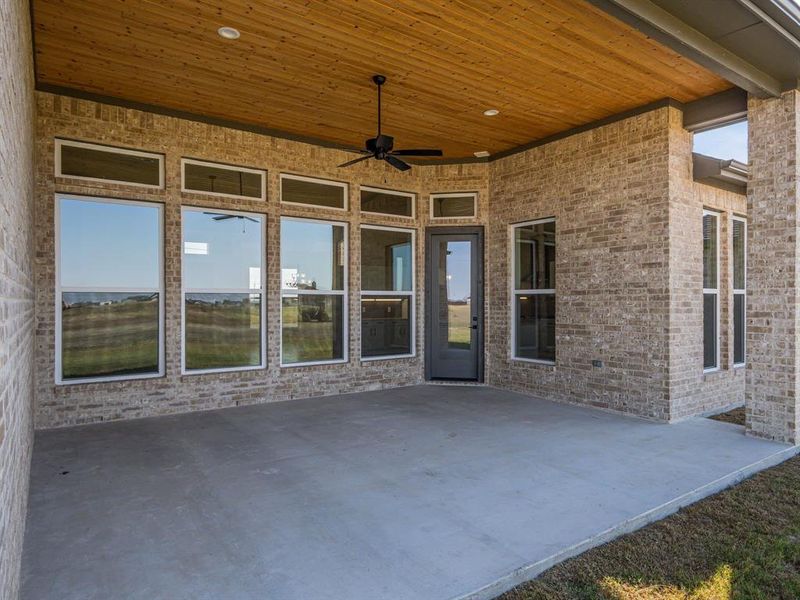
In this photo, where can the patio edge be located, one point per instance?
(533, 570)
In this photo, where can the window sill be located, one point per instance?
(534, 361)
(85, 380)
(387, 357)
(190, 372)
(314, 363)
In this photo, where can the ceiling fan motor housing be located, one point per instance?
(381, 144)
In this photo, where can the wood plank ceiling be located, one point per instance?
(304, 67)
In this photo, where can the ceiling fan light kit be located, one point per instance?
(381, 147)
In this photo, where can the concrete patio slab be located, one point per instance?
(429, 492)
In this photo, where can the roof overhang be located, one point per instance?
(729, 175)
(754, 44)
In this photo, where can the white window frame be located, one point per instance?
(59, 289)
(111, 150)
(328, 182)
(740, 291)
(514, 292)
(205, 163)
(455, 195)
(261, 291)
(344, 293)
(714, 291)
(410, 195)
(412, 295)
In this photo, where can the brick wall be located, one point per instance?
(773, 195)
(691, 391)
(16, 285)
(608, 189)
(629, 283)
(60, 116)
(629, 269)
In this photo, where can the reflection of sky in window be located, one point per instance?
(307, 252)
(728, 142)
(108, 245)
(220, 254)
(401, 267)
(459, 269)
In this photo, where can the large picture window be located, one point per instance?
(710, 291)
(387, 292)
(533, 302)
(223, 290)
(739, 246)
(109, 289)
(313, 292)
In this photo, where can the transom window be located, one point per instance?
(313, 291)
(109, 289)
(387, 292)
(308, 191)
(533, 302)
(223, 290)
(456, 205)
(739, 247)
(95, 162)
(199, 177)
(387, 202)
(710, 291)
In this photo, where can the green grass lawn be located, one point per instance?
(459, 320)
(305, 341)
(223, 335)
(116, 339)
(743, 543)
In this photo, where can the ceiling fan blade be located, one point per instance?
(355, 160)
(418, 152)
(219, 217)
(397, 163)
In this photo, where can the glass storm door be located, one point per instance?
(454, 326)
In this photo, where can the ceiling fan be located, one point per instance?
(381, 146)
(222, 217)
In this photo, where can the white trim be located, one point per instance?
(344, 293)
(474, 214)
(411, 294)
(514, 292)
(716, 292)
(59, 380)
(111, 150)
(259, 291)
(410, 195)
(535, 361)
(740, 291)
(328, 182)
(203, 163)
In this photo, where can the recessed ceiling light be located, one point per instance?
(481, 153)
(491, 112)
(229, 33)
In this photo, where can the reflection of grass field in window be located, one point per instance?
(306, 341)
(115, 339)
(459, 321)
(222, 335)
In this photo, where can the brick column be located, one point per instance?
(773, 278)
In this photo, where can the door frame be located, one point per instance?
(478, 230)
